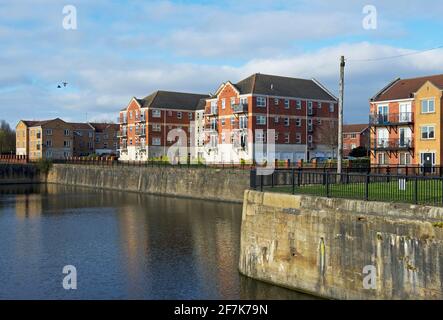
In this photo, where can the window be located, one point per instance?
(156, 113)
(261, 120)
(232, 120)
(261, 102)
(90, 134)
(49, 143)
(298, 104)
(232, 101)
(66, 132)
(319, 105)
(39, 135)
(243, 122)
(130, 114)
(156, 141)
(287, 137)
(353, 135)
(259, 137)
(382, 159)
(331, 107)
(223, 121)
(223, 137)
(428, 132)
(49, 154)
(427, 106)
(190, 115)
(319, 121)
(223, 103)
(310, 108)
(276, 101)
(298, 122)
(179, 115)
(169, 113)
(49, 132)
(287, 122)
(298, 138)
(287, 103)
(37, 146)
(156, 127)
(276, 118)
(276, 136)
(310, 138)
(244, 101)
(66, 143)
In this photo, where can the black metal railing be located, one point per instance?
(391, 118)
(392, 144)
(426, 190)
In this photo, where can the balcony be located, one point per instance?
(391, 119)
(240, 108)
(212, 112)
(211, 128)
(122, 120)
(140, 118)
(122, 134)
(392, 144)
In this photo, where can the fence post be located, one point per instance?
(367, 187)
(327, 184)
(261, 183)
(272, 179)
(299, 177)
(293, 180)
(416, 190)
(253, 177)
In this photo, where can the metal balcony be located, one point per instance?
(212, 112)
(240, 108)
(391, 119)
(392, 144)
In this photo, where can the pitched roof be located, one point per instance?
(347, 128)
(172, 100)
(81, 126)
(37, 123)
(405, 88)
(284, 87)
(100, 127)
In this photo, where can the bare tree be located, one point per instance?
(7, 138)
(327, 134)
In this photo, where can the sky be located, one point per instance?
(122, 49)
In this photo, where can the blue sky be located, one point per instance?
(131, 48)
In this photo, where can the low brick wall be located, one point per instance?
(201, 183)
(321, 246)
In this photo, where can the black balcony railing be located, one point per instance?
(391, 118)
(240, 108)
(392, 144)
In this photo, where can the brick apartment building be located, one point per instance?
(145, 123)
(58, 139)
(302, 112)
(405, 119)
(355, 135)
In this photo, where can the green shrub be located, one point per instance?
(44, 165)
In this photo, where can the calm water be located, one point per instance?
(123, 245)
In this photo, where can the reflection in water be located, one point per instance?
(124, 245)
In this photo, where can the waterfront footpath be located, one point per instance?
(328, 247)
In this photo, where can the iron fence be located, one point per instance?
(426, 190)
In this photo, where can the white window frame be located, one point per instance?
(331, 107)
(298, 122)
(427, 100)
(427, 127)
(179, 115)
(156, 141)
(298, 104)
(223, 103)
(156, 113)
(261, 120)
(287, 103)
(298, 138)
(287, 122)
(261, 102)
